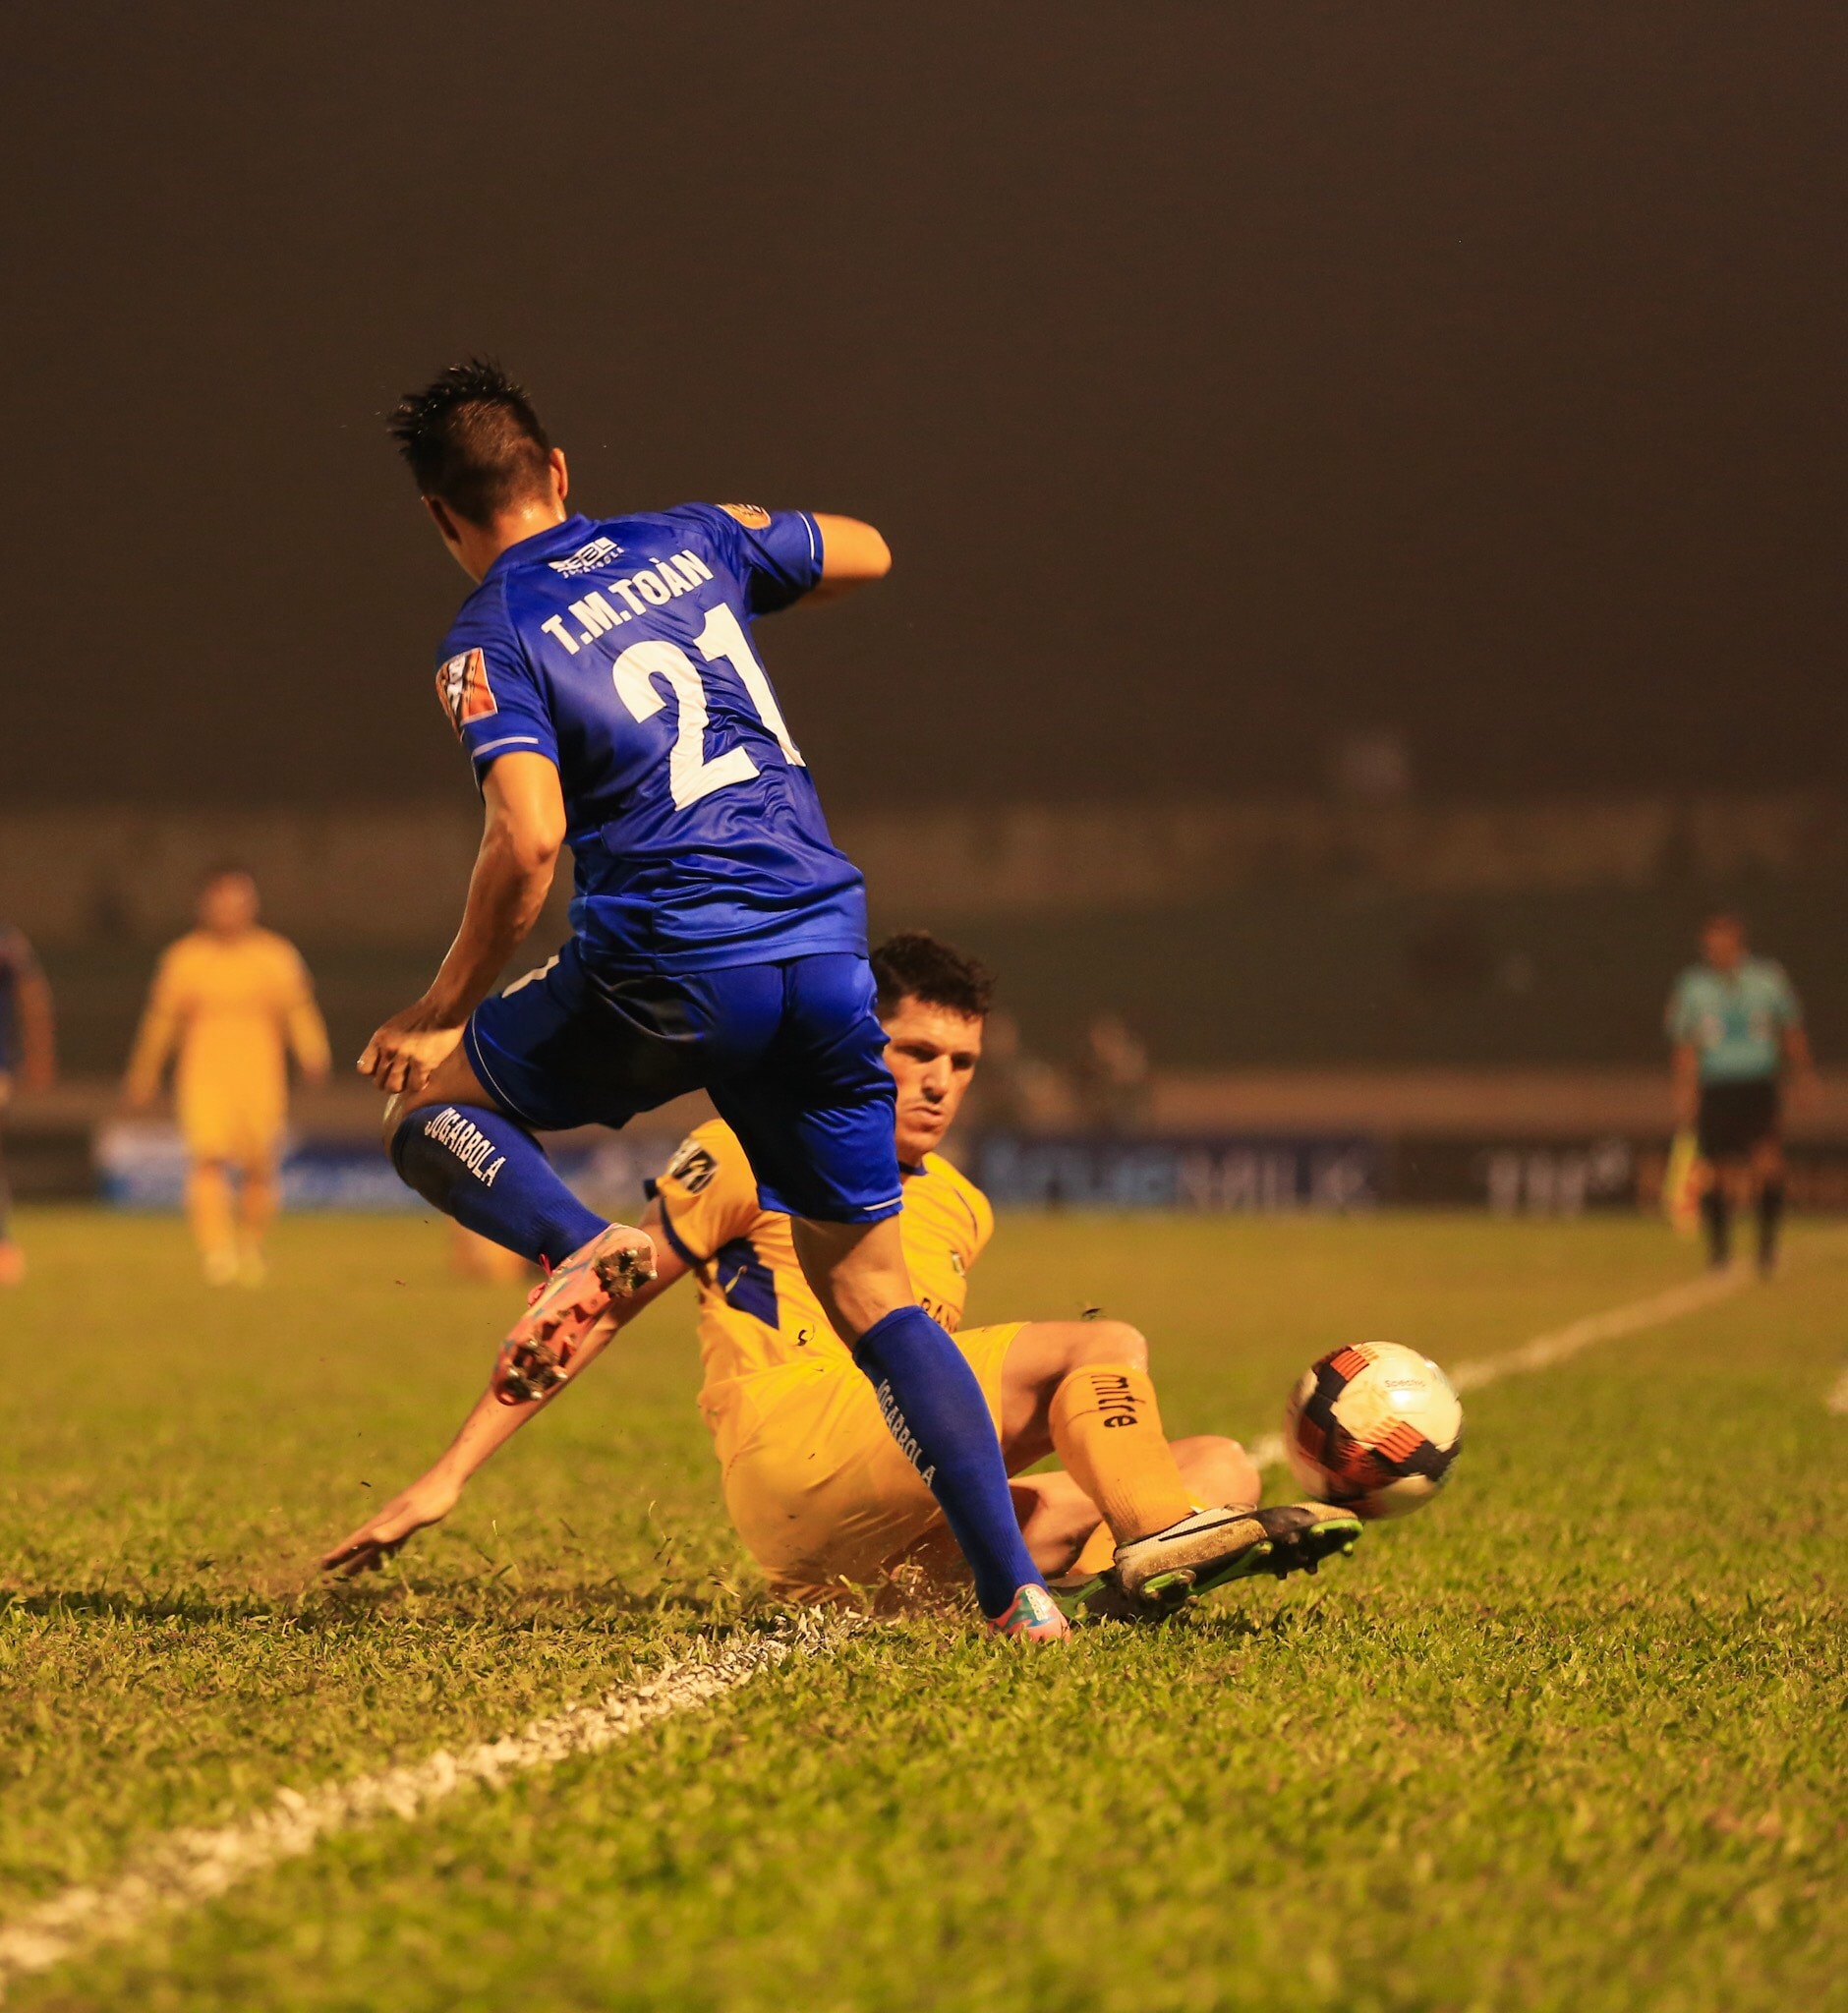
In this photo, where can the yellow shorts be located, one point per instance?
(815, 1482)
(231, 1121)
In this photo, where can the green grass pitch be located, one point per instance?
(1576, 1737)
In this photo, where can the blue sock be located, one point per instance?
(488, 1171)
(933, 1405)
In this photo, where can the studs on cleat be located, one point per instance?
(526, 1372)
(621, 1273)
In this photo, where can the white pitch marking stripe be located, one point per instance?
(187, 1867)
(1554, 1346)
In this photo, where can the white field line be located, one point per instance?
(1554, 1346)
(187, 1867)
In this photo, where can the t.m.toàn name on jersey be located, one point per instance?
(647, 587)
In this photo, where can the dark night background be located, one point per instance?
(1225, 378)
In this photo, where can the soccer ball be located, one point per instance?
(1373, 1427)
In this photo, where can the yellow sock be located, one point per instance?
(1107, 1430)
(209, 1211)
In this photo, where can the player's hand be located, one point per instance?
(405, 1052)
(137, 1098)
(426, 1501)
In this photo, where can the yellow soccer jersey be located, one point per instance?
(756, 1311)
(231, 1008)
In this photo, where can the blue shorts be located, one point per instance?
(792, 1055)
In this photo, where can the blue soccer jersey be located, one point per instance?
(621, 650)
(17, 965)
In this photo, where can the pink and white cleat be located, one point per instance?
(1032, 1617)
(565, 1306)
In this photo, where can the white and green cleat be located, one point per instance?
(1214, 1547)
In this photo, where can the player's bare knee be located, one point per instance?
(1111, 1342)
(1217, 1469)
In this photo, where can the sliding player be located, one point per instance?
(28, 1056)
(604, 683)
(233, 1000)
(814, 1483)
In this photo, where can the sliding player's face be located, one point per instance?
(932, 1054)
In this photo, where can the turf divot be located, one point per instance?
(190, 1867)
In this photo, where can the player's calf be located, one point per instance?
(485, 1170)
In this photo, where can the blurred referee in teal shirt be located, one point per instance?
(1737, 1028)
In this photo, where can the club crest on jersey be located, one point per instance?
(586, 558)
(692, 1167)
(462, 686)
(750, 515)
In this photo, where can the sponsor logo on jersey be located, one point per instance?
(692, 1167)
(586, 558)
(752, 516)
(462, 686)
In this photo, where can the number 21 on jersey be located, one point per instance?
(690, 775)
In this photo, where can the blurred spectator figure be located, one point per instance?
(1013, 1091)
(1112, 1077)
(27, 1061)
(1737, 1030)
(233, 1000)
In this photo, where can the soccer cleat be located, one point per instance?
(1032, 1617)
(1210, 1547)
(1099, 1597)
(1301, 1536)
(565, 1306)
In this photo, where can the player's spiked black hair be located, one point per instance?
(473, 440)
(916, 965)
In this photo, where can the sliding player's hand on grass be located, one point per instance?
(406, 1050)
(428, 1499)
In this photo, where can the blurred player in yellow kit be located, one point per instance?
(233, 1000)
(818, 1488)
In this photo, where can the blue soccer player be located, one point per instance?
(28, 1047)
(603, 679)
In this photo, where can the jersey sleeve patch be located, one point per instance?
(752, 516)
(708, 1192)
(463, 687)
(692, 1166)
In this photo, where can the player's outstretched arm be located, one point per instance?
(154, 1040)
(487, 1429)
(1800, 1061)
(38, 1038)
(853, 553)
(1684, 1076)
(514, 869)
